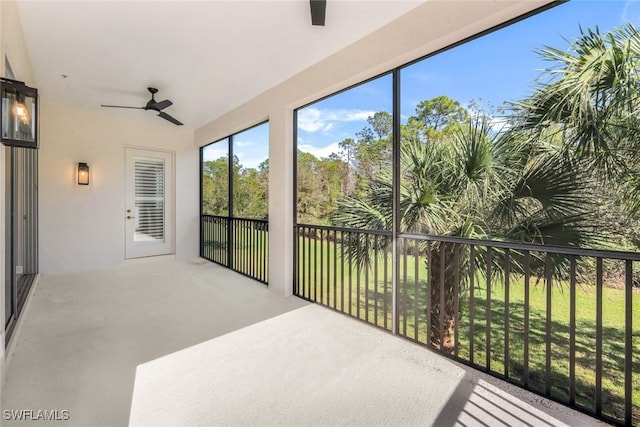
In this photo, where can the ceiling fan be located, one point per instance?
(153, 105)
(318, 11)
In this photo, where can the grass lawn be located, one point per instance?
(585, 353)
(250, 255)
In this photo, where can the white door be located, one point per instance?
(148, 212)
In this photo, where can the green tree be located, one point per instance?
(250, 189)
(251, 197)
(215, 187)
(348, 148)
(440, 112)
(372, 150)
(381, 123)
(320, 183)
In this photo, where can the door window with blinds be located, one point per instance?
(149, 206)
(149, 199)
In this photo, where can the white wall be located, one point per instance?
(82, 227)
(424, 30)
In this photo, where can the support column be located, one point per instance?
(281, 201)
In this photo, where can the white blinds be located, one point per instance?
(149, 199)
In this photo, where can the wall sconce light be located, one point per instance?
(83, 174)
(19, 112)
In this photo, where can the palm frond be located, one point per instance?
(591, 95)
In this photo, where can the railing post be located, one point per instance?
(599, 296)
(200, 202)
(230, 224)
(395, 227)
(628, 343)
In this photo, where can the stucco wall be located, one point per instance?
(82, 227)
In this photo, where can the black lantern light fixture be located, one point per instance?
(19, 112)
(83, 174)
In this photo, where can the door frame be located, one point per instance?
(171, 192)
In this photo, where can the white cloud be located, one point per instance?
(250, 153)
(242, 144)
(320, 152)
(250, 160)
(215, 151)
(313, 119)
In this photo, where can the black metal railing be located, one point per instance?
(240, 244)
(214, 239)
(557, 321)
(328, 272)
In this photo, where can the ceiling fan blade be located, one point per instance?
(318, 11)
(170, 118)
(154, 106)
(162, 105)
(122, 106)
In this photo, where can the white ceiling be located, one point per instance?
(206, 56)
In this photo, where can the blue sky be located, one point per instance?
(251, 147)
(490, 70)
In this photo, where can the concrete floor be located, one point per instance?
(193, 344)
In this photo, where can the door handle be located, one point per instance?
(130, 217)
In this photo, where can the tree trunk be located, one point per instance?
(442, 289)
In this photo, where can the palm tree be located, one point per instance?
(589, 98)
(568, 162)
(589, 101)
(480, 183)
